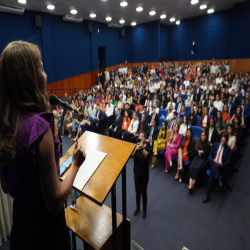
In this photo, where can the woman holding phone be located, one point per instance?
(29, 153)
(141, 173)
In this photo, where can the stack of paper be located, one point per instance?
(91, 163)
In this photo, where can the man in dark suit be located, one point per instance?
(245, 110)
(219, 160)
(173, 121)
(231, 106)
(237, 97)
(155, 116)
(179, 104)
(147, 115)
(116, 125)
(153, 132)
(197, 91)
(99, 118)
(212, 110)
(143, 126)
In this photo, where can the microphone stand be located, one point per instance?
(60, 131)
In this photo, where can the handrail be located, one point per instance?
(51, 90)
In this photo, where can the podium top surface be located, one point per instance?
(101, 182)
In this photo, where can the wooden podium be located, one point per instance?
(92, 220)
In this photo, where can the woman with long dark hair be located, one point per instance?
(199, 162)
(29, 152)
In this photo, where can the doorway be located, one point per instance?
(102, 58)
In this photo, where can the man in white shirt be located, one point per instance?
(151, 88)
(219, 79)
(227, 67)
(186, 82)
(92, 110)
(214, 69)
(157, 84)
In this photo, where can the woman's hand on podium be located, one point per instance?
(78, 155)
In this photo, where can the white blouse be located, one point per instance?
(133, 127)
(204, 122)
(183, 129)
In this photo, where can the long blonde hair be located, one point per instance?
(19, 93)
(173, 134)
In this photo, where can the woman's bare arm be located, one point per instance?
(54, 192)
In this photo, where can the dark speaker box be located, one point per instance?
(90, 27)
(122, 32)
(38, 21)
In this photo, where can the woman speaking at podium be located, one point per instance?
(29, 153)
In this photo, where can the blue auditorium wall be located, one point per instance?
(240, 35)
(164, 36)
(67, 48)
(211, 34)
(143, 42)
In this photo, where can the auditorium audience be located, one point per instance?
(220, 100)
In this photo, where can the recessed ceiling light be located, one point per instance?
(50, 7)
(210, 11)
(139, 9)
(194, 1)
(108, 18)
(133, 23)
(204, 6)
(172, 19)
(123, 4)
(178, 22)
(92, 15)
(122, 21)
(163, 16)
(22, 1)
(152, 13)
(73, 12)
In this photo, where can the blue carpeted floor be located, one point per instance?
(176, 219)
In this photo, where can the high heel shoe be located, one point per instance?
(177, 178)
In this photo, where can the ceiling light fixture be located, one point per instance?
(139, 9)
(22, 1)
(108, 18)
(204, 6)
(163, 16)
(50, 7)
(178, 22)
(133, 23)
(194, 1)
(172, 19)
(210, 11)
(92, 15)
(123, 4)
(122, 21)
(73, 12)
(152, 13)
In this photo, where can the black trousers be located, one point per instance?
(141, 184)
(127, 136)
(35, 228)
(133, 139)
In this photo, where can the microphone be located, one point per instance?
(55, 101)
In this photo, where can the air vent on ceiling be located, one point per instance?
(116, 26)
(70, 18)
(10, 8)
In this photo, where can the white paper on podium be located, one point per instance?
(89, 166)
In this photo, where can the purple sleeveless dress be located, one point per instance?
(33, 225)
